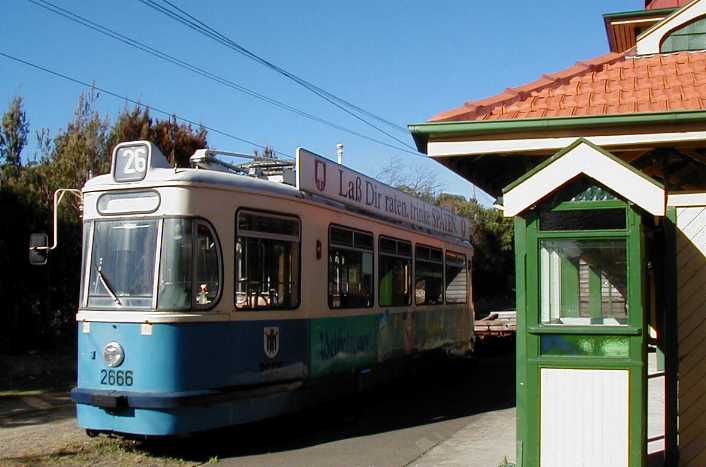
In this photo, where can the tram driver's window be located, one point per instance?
(456, 278)
(395, 273)
(206, 268)
(428, 275)
(189, 270)
(266, 261)
(583, 282)
(350, 268)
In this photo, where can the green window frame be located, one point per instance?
(591, 296)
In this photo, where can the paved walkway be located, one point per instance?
(487, 441)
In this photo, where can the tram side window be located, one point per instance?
(395, 272)
(456, 279)
(266, 261)
(350, 268)
(189, 270)
(428, 275)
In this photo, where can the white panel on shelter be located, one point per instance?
(584, 418)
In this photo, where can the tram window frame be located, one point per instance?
(92, 277)
(463, 259)
(429, 260)
(193, 296)
(352, 246)
(385, 252)
(90, 229)
(263, 235)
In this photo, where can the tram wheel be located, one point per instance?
(91, 433)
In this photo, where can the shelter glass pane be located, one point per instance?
(583, 282)
(583, 219)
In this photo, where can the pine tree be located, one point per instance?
(13, 137)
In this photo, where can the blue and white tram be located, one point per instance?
(211, 298)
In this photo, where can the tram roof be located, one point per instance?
(212, 178)
(230, 181)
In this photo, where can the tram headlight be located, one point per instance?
(113, 354)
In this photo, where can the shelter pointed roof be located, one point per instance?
(584, 158)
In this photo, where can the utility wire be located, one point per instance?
(283, 71)
(199, 26)
(139, 104)
(157, 109)
(195, 69)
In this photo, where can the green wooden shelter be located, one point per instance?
(603, 168)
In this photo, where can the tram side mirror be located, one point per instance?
(38, 249)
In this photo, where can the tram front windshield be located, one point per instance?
(123, 264)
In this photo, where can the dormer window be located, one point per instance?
(689, 37)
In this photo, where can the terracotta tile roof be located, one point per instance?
(607, 85)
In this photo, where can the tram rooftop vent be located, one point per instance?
(274, 170)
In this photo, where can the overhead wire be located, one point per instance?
(74, 17)
(279, 69)
(141, 104)
(201, 27)
(196, 70)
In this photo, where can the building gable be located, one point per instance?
(583, 157)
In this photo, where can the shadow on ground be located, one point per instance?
(34, 387)
(441, 390)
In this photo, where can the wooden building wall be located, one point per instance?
(691, 316)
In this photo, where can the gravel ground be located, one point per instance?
(37, 418)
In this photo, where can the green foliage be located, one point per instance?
(491, 234)
(176, 141)
(39, 303)
(13, 137)
(493, 260)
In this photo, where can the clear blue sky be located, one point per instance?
(403, 60)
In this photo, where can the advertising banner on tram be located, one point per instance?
(321, 176)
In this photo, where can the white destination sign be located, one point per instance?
(321, 176)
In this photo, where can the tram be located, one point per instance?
(211, 297)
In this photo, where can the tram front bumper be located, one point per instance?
(113, 399)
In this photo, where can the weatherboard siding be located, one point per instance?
(691, 307)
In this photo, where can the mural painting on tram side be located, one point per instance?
(343, 344)
(315, 175)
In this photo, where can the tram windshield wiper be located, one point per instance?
(106, 283)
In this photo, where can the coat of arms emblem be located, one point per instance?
(271, 341)
(320, 174)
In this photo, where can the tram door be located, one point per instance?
(582, 330)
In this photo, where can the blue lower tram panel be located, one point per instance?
(158, 389)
